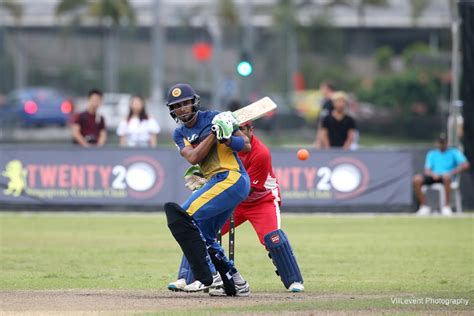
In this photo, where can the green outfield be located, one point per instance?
(361, 263)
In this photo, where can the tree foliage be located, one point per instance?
(118, 11)
(228, 12)
(417, 7)
(405, 93)
(13, 8)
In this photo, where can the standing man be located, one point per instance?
(88, 128)
(338, 128)
(211, 140)
(262, 210)
(441, 165)
(327, 89)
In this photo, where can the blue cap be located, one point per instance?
(180, 92)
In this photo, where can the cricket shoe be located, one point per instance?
(296, 287)
(240, 290)
(197, 286)
(446, 210)
(177, 285)
(424, 210)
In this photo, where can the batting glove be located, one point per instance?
(227, 117)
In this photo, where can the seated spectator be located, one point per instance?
(338, 128)
(441, 165)
(88, 127)
(138, 130)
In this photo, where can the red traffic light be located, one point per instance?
(202, 51)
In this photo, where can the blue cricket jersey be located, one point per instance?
(220, 158)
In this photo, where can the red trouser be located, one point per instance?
(263, 214)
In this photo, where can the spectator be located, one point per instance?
(139, 129)
(327, 88)
(88, 128)
(441, 165)
(338, 128)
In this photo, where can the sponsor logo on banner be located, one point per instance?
(341, 178)
(137, 177)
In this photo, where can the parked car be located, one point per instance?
(36, 106)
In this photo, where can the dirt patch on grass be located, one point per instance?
(113, 302)
(136, 300)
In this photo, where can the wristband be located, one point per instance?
(237, 143)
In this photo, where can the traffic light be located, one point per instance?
(244, 66)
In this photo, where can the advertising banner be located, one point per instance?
(115, 176)
(90, 176)
(345, 178)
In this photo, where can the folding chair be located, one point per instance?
(455, 193)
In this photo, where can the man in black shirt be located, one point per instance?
(327, 89)
(338, 128)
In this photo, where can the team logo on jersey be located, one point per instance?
(176, 92)
(275, 239)
(192, 138)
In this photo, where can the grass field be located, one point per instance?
(349, 263)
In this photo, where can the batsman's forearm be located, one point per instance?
(197, 154)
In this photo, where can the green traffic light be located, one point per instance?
(244, 68)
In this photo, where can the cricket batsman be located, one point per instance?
(262, 209)
(211, 140)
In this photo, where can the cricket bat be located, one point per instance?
(255, 110)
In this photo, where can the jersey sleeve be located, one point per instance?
(102, 123)
(259, 170)
(180, 140)
(122, 128)
(326, 121)
(77, 119)
(459, 157)
(352, 123)
(429, 160)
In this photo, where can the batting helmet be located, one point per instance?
(181, 92)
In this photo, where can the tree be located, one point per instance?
(286, 20)
(228, 12)
(111, 14)
(16, 11)
(417, 7)
(360, 6)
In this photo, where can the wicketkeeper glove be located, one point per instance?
(194, 178)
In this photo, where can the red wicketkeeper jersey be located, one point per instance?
(258, 163)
